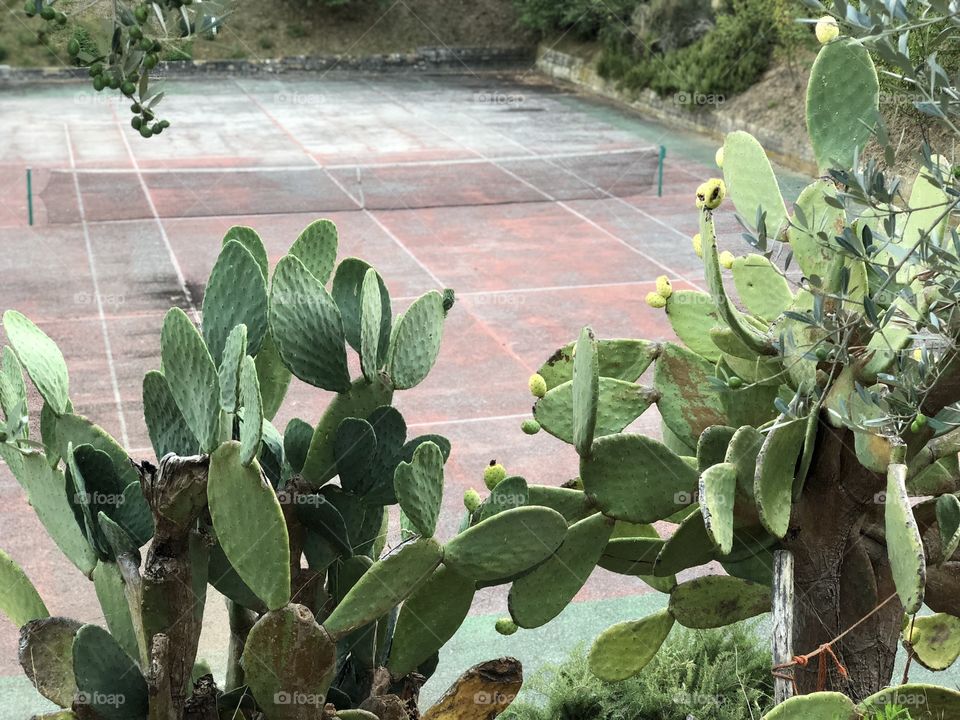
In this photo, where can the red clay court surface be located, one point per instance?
(512, 192)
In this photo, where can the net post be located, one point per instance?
(30, 196)
(663, 155)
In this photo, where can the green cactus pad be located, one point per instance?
(930, 199)
(249, 238)
(419, 488)
(288, 657)
(296, 442)
(13, 389)
(316, 248)
(632, 555)
(815, 706)
(744, 447)
(386, 584)
(941, 477)
(240, 499)
(636, 478)
(926, 702)
(348, 293)
(391, 435)
(236, 294)
(756, 568)
(508, 543)
(273, 375)
(41, 358)
(691, 314)
(353, 449)
(751, 182)
(416, 341)
(687, 404)
(410, 447)
(361, 519)
(234, 350)
(586, 391)
(251, 426)
(688, 547)
(761, 286)
(624, 649)
(712, 445)
(934, 640)
(621, 359)
(428, 618)
(47, 493)
(812, 231)
(108, 584)
(904, 544)
(713, 601)
(305, 325)
(228, 583)
(774, 479)
(104, 672)
(619, 404)
(168, 429)
(46, 656)
(678, 446)
(538, 597)
(371, 316)
(509, 493)
(718, 486)
(843, 97)
(19, 599)
(948, 521)
(572, 504)
(197, 389)
(762, 370)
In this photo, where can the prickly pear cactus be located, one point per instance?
(290, 525)
(805, 402)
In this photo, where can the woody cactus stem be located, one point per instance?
(177, 494)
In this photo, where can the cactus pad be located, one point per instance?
(416, 341)
(251, 426)
(234, 350)
(305, 325)
(816, 706)
(288, 659)
(691, 314)
(386, 584)
(42, 359)
(506, 544)
(623, 650)
(273, 375)
(419, 488)
(926, 702)
(347, 291)
(586, 391)
(622, 359)
(46, 656)
(316, 248)
(19, 599)
(108, 584)
(688, 547)
(240, 498)
(236, 294)
(197, 389)
(904, 545)
(371, 316)
(716, 600)
(428, 618)
(249, 238)
(572, 504)
(751, 182)
(509, 493)
(761, 286)
(105, 672)
(843, 99)
(934, 640)
(540, 596)
(619, 403)
(774, 479)
(636, 478)
(718, 485)
(948, 521)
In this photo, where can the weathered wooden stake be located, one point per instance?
(782, 620)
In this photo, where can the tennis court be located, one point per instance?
(538, 206)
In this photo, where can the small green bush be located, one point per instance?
(586, 19)
(4, 53)
(712, 675)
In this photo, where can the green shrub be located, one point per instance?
(587, 19)
(4, 53)
(712, 675)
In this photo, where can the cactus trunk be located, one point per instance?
(841, 572)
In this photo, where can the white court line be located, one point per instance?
(547, 195)
(360, 166)
(469, 421)
(181, 278)
(96, 293)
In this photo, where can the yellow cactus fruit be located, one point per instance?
(827, 29)
(726, 259)
(664, 288)
(538, 386)
(493, 474)
(719, 157)
(698, 245)
(711, 193)
(656, 300)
